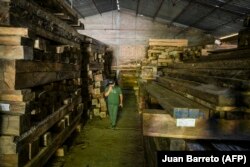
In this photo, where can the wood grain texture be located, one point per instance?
(16, 52)
(163, 125)
(16, 31)
(15, 40)
(176, 104)
(14, 124)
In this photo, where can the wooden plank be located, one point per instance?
(216, 95)
(16, 31)
(24, 74)
(7, 145)
(24, 95)
(163, 125)
(15, 40)
(176, 105)
(226, 55)
(42, 23)
(44, 155)
(44, 125)
(220, 64)
(237, 79)
(16, 52)
(34, 148)
(27, 80)
(14, 124)
(4, 12)
(168, 42)
(15, 107)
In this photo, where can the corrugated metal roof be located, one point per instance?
(218, 17)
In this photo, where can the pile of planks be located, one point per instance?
(94, 75)
(40, 83)
(205, 99)
(161, 52)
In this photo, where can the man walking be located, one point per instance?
(115, 99)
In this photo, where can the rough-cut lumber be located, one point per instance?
(41, 22)
(24, 95)
(168, 42)
(19, 74)
(15, 40)
(15, 107)
(220, 64)
(44, 155)
(225, 55)
(60, 7)
(215, 95)
(16, 31)
(94, 48)
(7, 145)
(14, 124)
(163, 125)
(237, 79)
(16, 52)
(44, 125)
(176, 105)
(4, 12)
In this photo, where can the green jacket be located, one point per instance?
(114, 95)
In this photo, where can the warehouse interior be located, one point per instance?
(182, 67)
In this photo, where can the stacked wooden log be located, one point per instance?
(40, 93)
(95, 51)
(204, 99)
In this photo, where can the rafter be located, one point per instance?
(182, 11)
(96, 7)
(138, 6)
(158, 9)
(203, 17)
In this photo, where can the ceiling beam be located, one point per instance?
(222, 9)
(96, 7)
(182, 11)
(138, 6)
(228, 22)
(158, 9)
(203, 17)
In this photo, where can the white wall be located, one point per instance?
(128, 34)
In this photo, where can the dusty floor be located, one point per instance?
(100, 146)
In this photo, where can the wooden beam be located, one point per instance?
(40, 18)
(96, 7)
(175, 104)
(16, 31)
(16, 52)
(25, 74)
(138, 7)
(182, 12)
(43, 156)
(14, 125)
(216, 95)
(16, 40)
(46, 124)
(222, 64)
(236, 79)
(163, 125)
(158, 9)
(24, 95)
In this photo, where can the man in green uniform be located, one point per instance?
(115, 99)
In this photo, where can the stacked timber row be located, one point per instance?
(162, 52)
(95, 53)
(40, 93)
(205, 100)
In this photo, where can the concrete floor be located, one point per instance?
(100, 146)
